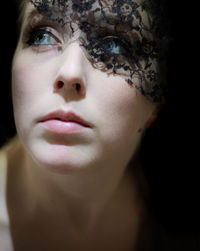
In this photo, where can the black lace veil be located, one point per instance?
(122, 37)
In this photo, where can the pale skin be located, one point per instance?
(74, 192)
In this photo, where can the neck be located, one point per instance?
(80, 197)
(92, 204)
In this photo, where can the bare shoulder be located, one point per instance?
(5, 238)
(6, 156)
(3, 182)
(5, 235)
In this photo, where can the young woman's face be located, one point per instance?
(53, 73)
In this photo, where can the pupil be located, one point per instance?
(40, 36)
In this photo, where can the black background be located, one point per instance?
(7, 44)
(172, 145)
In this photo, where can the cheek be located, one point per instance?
(123, 110)
(29, 82)
(19, 87)
(123, 103)
(22, 81)
(122, 114)
(26, 91)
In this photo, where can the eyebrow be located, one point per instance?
(114, 20)
(34, 14)
(35, 17)
(31, 14)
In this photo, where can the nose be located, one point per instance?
(70, 80)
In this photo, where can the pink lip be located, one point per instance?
(61, 122)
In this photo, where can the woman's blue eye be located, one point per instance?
(42, 37)
(109, 46)
(114, 45)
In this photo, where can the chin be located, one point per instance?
(59, 158)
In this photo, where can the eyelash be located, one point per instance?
(31, 36)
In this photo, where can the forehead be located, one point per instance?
(125, 11)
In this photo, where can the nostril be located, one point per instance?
(77, 87)
(60, 84)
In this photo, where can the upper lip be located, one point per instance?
(66, 116)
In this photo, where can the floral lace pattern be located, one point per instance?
(120, 37)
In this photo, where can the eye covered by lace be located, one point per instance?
(116, 38)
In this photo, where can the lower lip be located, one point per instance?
(63, 127)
